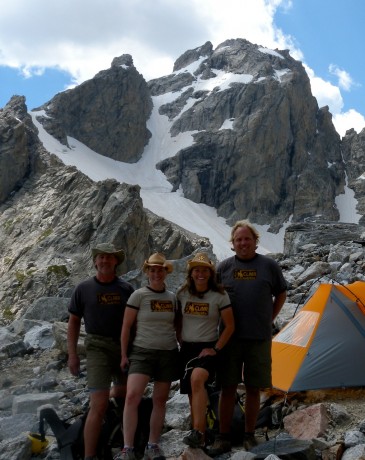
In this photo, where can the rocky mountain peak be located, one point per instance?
(193, 55)
(123, 60)
(107, 113)
(259, 137)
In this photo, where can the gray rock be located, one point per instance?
(29, 403)
(178, 412)
(48, 309)
(19, 448)
(338, 413)
(6, 400)
(354, 437)
(362, 426)
(286, 449)
(11, 427)
(15, 348)
(39, 337)
(354, 453)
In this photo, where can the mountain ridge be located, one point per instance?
(228, 145)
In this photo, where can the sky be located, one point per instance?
(47, 46)
(156, 192)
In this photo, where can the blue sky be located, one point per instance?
(330, 34)
(46, 47)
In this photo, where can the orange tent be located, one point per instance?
(323, 346)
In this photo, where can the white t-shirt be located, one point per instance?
(201, 316)
(155, 318)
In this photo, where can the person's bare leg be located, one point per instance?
(252, 408)
(159, 397)
(199, 398)
(98, 404)
(227, 402)
(136, 386)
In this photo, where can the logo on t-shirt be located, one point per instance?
(242, 274)
(109, 299)
(196, 308)
(162, 306)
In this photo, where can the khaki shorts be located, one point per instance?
(245, 360)
(103, 356)
(161, 365)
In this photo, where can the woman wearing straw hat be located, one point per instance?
(203, 303)
(154, 354)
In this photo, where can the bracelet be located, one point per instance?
(216, 349)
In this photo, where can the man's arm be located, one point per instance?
(73, 332)
(129, 319)
(278, 304)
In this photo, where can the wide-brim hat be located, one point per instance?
(158, 260)
(200, 259)
(107, 248)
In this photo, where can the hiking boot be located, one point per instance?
(249, 441)
(220, 446)
(127, 453)
(194, 439)
(153, 452)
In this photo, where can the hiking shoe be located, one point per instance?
(194, 439)
(249, 441)
(153, 452)
(127, 453)
(220, 446)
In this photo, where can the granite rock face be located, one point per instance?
(107, 113)
(17, 142)
(262, 147)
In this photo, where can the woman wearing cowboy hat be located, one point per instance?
(203, 303)
(154, 354)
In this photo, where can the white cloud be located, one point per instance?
(83, 39)
(328, 94)
(348, 120)
(345, 81)
(325, 92)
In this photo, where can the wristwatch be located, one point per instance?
(216, 349)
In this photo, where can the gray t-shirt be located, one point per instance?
(101, 305)
(201, 316)
(251, 285)
(155, 318)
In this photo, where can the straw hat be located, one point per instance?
(158, 260)
(200, 259)
(107, 248)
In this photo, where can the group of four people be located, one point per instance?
(217, 326)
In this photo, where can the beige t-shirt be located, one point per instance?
(155, 318)
(201, 316)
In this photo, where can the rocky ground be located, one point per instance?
(21, 372)
(352, 399)
(45, 369)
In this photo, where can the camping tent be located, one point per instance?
(323, 346)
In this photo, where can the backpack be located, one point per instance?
(70, 436)
(237, 431)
